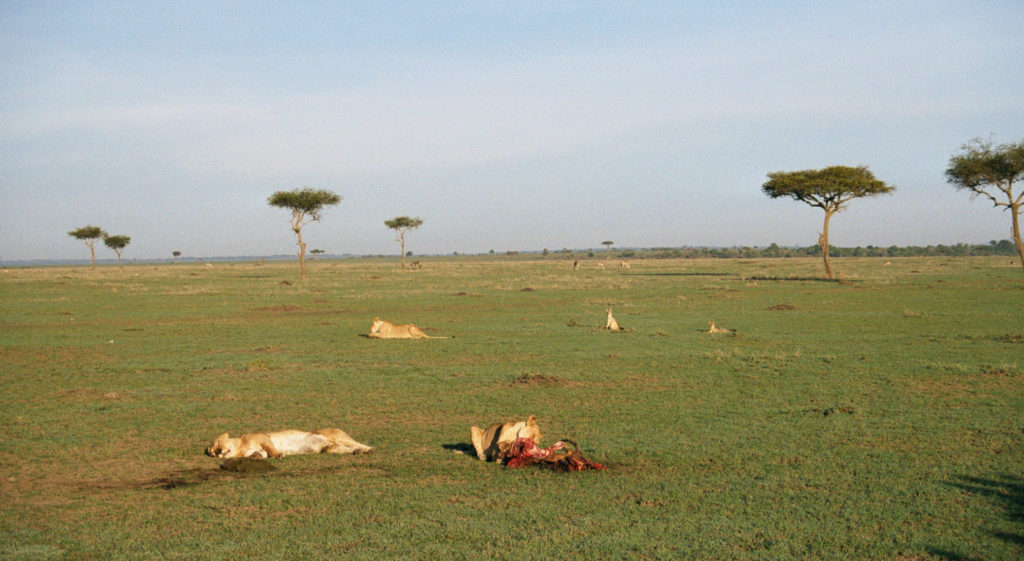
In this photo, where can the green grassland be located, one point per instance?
(877, 417)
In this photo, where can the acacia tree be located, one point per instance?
(991, 172)
(117, 243)
(89, 235)
(401, 225)
(829, 189)
(306, 205)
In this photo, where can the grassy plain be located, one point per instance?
(880, 417)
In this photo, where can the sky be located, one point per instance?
(505, 126)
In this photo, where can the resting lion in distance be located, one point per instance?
(381, 329)
(715, 329)
(492, 443)
(283, 443)
(611, 323)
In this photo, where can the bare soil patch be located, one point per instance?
(284, 308)
(540, 380)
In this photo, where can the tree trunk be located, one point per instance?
(297, 216)
(823, 244)
(92, 252)
(401, 240)
(302, 256)
(1015, 213)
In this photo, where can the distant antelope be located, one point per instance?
(611, 323)
(623, 264)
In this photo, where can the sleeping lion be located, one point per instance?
(283, 443)
(381, 329)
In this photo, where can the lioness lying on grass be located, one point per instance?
(492, 443)
(281, 443)
(381, 329)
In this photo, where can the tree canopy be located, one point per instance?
(403, 223)
(830, 189)
(991, 172)
(307, 206)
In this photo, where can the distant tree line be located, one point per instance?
(90, 234)
(982, 169)
(1002, 247)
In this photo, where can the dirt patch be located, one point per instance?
(780, 307)
(538, 380)
(247, 465)
(231, 470)
(89, 394)
(284, 308)
(640, 500)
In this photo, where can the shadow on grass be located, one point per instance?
(801, 279)
(1008, 491)
(678, 274)
(461, 447)
(197, 476)
(950, 556)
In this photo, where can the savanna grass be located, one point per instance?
(875, 417)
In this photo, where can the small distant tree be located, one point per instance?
(608, 245)
(117, 243)
(401, 225)
(829, 189)
(176, 255)
(991, 173)
(306, 206)
(89, 235)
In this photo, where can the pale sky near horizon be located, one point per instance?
(504, 125)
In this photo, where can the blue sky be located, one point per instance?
(505, 126)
